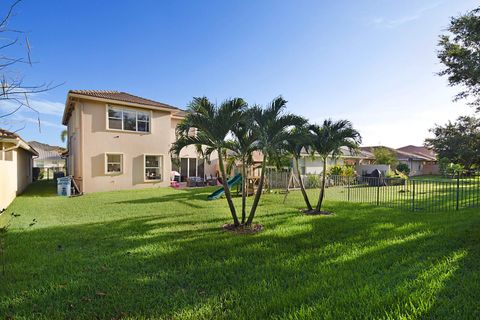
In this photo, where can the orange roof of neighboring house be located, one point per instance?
(12, 137)
(115, 96)
(419, 150)
(400, 154)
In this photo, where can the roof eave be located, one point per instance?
(66, 116)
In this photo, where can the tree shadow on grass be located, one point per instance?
(187, 197)
(364, 265)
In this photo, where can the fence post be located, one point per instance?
(413, 195)
(378, 191)
(458, 190)
(348, 188)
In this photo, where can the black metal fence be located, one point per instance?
(416, 194)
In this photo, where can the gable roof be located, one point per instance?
(114, 96)
(420, 150)
(399, 154)
(347, 153)
(12, 137)
(46, 151)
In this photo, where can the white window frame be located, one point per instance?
(137, 111)
(121, 163)
(161, 163)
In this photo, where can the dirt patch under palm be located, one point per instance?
(242, 229)
(314, 212)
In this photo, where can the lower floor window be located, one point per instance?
(114, 163)
(153, 167)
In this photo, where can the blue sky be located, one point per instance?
(372, 62)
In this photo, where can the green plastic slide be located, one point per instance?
(231, 182)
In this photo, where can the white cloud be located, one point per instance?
(19, 120)
(43, 106)
(395, 22)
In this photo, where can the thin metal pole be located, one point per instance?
(348, 188)
(413, 195)
(458, 189)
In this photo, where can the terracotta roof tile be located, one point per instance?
(401, 155)
(7, 134)
(122, 96)
(419, 150)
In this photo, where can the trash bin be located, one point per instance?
(64, 186)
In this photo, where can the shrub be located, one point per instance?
(345, 171)
(396, 178)
(349, 171)
(313, 181)
(450, 169)
(335, 171)
(403, 168)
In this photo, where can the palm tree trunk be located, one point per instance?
(259, 192)
(322, 187)
(302, 187)
(244, 191)
(228, 196)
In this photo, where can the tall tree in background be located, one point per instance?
(384, 155)
(14, 93)
(327, 140)
(458, 141)
(460, 53)
(64, 135)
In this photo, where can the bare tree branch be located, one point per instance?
(9, 14)
(13, 88)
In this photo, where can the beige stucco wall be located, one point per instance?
(15, 174)
(96, 140)
(74, 160)
(210, 167)
(315, 166)
(90, 140)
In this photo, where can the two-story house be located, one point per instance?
(118, 140)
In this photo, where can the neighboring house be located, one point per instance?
(420, 160)
(430, 162)
(420, 163)
(49, 157)
(314, 165)
(15, 166)
(117, 140)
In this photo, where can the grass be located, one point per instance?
(161, 254)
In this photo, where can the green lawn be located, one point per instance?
(160, 253)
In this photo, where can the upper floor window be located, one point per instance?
(128, 119)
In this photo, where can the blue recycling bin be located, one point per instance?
(64, 186)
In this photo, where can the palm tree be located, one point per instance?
(243, 146)
(272, 125)
(327, 140)
(298, 140)
(63, 135)
(212, 124)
